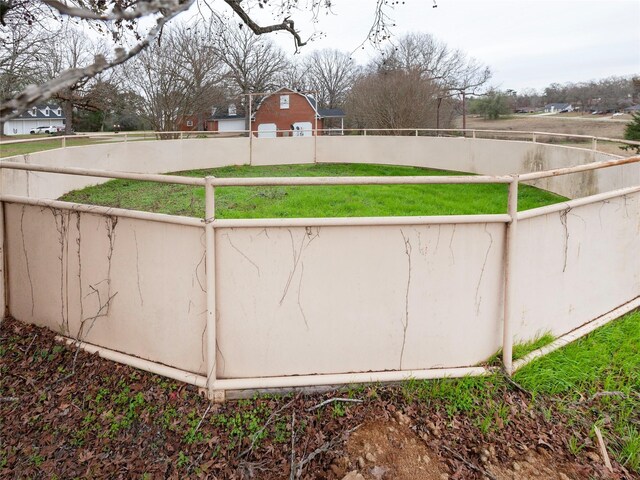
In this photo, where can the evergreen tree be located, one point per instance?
(632, 132)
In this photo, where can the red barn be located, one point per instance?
(290, 113)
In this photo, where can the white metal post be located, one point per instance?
(3, 265)
(595, 144)
(210, 267)
(250, 132)
(509, 275)
(473, 133)
(315, 140)
(533, 137)
(64, 141)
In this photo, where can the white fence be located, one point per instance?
(262, 303)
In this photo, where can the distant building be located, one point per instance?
(229, 118)
(632, 109)
(43, 115)
(558, 108)
(286, 112)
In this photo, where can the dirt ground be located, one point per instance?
(592, 125)
(68, 415)
(578, 125)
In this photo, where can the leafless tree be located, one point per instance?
(118, 17)
(452, 70)
(180, 76)
(20, 49)
(331, 74)
(294, 76)
(252, 63)
(607, 94)
(433, 59)
(70, 50)
(397, 99)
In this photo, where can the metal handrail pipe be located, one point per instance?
(136, 362)
(400, 180)
(297, 381)
(577, 333)
(105, 211)
(360, 221)
(44, 139)
(579, 168)
(88, 172)
(559, 207)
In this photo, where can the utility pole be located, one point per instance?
(464, 111)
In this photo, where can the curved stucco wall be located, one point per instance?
(315, 299)
(492, 157)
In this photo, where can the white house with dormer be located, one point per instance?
(39, 116)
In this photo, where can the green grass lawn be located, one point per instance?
(11, 149)
(597, 378)
(313, 201)
(592, 381)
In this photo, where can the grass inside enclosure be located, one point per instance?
(596, 381)
(313, 201)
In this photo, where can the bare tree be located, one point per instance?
(118, 17)
(397, 99)
(331, 74)
(429, 58)
(252, 64)
(20, 48)
(294, 76)
(433, 59)
(180, 76)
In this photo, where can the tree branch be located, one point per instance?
(286, 25)
(141, 9)
(34, 94)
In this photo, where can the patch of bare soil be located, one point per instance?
(73, 415)
(386, 450)
(587, 125)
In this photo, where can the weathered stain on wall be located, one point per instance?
(130, 285)
(305, 300)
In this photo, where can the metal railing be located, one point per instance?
(523, 135)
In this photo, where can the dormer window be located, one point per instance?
(33, 112)
(232, 109)
(46, 112)
(59, 111)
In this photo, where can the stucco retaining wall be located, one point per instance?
(137, 285)
(576, 264)
(317, 300)
(493, 157)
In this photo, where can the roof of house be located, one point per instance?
(221, 112)
(633, 108)
(38, 113)
(226, 117)
(558, 105)
(331, 112)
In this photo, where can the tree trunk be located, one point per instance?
(67, 108)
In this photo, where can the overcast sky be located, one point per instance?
(527, 43)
